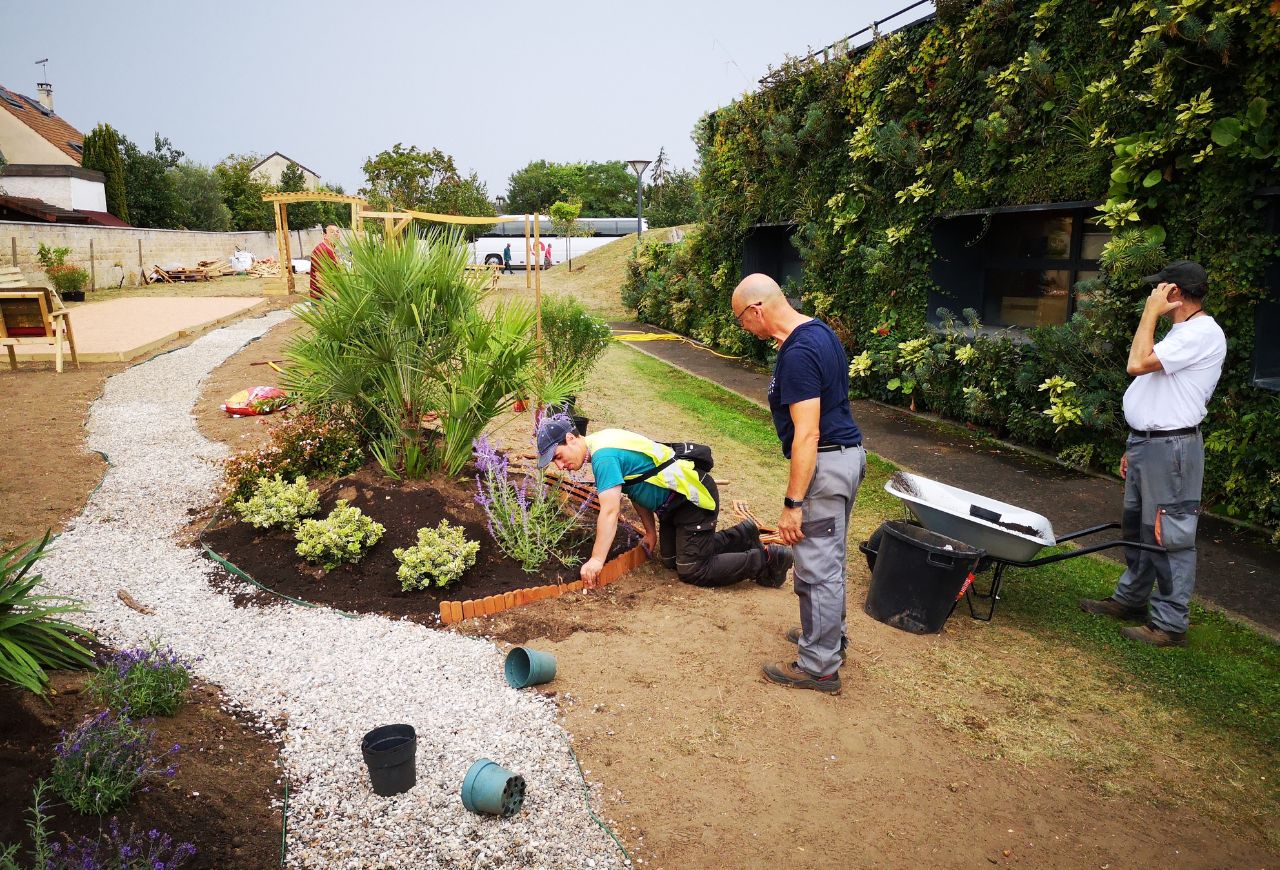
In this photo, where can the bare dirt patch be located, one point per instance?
(220, 800)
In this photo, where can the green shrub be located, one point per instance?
(403, 335)
(33, 636)
(572, 338)
(305, 444)
(441, 556)
(142, 681)
(342, 537)
(276, 504)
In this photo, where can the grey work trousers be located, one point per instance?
(820, 557)
(1162, 506)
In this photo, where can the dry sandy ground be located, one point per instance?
(702, 763)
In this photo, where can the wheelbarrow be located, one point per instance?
(1008, 536)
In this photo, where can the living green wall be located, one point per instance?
(1165, 112)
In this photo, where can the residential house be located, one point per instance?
(271, 167)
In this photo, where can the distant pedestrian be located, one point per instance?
(546, 263)
(809, 401)
(506, 259)
(323, 256)
(1163, 461)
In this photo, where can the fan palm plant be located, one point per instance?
(401, 338)
(33, 637)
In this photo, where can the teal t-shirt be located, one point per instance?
(611, 465)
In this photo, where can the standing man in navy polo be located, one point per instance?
(1163, 461)
(809, 401)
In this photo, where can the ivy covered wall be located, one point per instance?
(1164, 112)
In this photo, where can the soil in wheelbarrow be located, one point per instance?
(224, 798)
(371, 585)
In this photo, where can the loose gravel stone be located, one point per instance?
(317, 679)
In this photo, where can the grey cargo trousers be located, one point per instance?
(1162, 506)
(820, 557)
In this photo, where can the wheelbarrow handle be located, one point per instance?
(1084, 551)
(1089, 531)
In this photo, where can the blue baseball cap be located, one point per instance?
(551, 434)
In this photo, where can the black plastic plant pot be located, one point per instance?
(391, 754)
(580, 423)
(565, 407)
(72, 296)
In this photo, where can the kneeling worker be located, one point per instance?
(660, 485)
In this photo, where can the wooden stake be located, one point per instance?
(527, 280)
(13, 246)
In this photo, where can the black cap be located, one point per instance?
(551, 434)
(1188, 275)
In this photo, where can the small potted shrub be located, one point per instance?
(68, 280)
(276, 504)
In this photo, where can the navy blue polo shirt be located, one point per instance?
(812, 364)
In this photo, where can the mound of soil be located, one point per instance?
(371, 586)
(220, 801)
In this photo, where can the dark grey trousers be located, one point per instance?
(820, 557)
(1162, 506)
(688, 541)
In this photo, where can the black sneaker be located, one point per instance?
(1111, 607)
(777, 562)
(793, 636)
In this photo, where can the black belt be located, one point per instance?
(1165, 433)
(831, 448)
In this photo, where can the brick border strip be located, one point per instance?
(455, 611)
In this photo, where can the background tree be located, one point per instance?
(564, 220)
(673, 202)
(149, 191)
(604, 189)
(102, 152)
(661, 166)
(199, 198)
(242, 192)
(425, 181)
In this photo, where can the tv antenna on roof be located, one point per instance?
(44, 64)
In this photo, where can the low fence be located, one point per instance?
(116, 255)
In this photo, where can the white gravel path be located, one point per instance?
(335, 678)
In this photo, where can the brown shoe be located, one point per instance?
(791, 674)
(1150, 634)
(1111, 607)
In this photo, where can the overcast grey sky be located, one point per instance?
(495, 84)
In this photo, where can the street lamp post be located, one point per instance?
(638, 167)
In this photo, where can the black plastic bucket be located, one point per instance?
(918, 576)
(391, 754)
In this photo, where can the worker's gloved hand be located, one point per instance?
(590, 572)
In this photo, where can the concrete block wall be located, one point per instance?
(115, 249)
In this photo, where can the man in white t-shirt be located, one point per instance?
(1163, 463)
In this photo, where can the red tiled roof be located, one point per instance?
(102, 218)
(55, 131)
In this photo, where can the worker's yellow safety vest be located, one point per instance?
(680, 476)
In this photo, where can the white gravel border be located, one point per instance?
(333, 677)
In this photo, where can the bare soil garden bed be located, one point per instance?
(220, 800)
(371, 585)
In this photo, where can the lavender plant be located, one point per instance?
(527, 519)
(144, 681)
(98, 765)
(112, 850)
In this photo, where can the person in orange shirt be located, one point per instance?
(323, 256)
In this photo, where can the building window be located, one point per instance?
(1016, 267)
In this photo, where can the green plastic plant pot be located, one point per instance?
(528, 667)
(490, 788)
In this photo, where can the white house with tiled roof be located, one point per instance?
(41, 155)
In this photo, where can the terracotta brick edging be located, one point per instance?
(456, 611)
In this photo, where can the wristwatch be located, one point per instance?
(792, 502)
